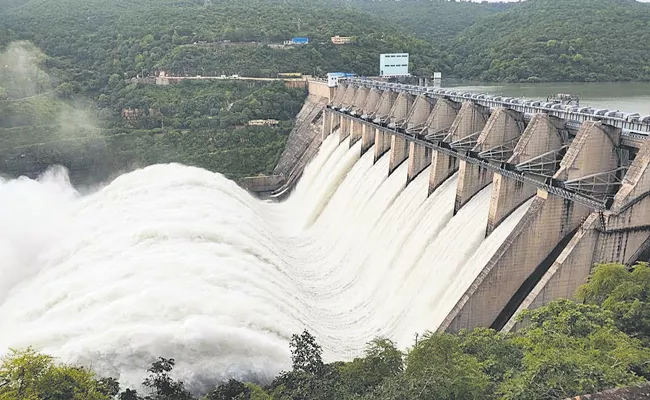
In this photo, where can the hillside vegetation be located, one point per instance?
(557, 40)
(89, 51)
(435, 20)
(96, 39)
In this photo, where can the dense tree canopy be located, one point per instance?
(88, 51)
(625, 294)
(557, 40)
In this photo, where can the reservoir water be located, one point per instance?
(627, 96)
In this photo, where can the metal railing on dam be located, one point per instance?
(631, 124)
(518, 176)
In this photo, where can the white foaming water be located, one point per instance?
(179, 262)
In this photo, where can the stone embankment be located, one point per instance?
(302, 145)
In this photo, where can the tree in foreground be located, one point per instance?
(564, 349)
(571, 349)
(625, 293)
(28, 375)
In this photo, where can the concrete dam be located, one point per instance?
(404, 209)
(582, 171)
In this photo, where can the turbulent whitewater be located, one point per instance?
(179, 262)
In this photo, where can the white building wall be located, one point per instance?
(394, 64)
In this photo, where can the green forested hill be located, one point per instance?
(535, 40)
(436, 20)
(97, 39)
(558, 40)
(91, 50)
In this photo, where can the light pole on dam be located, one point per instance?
(586, 171)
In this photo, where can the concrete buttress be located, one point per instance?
(399, 152)
(400, 110)
(470, 120)
(384, 106)
(442, 116)
(537, 240)
(348, 98)
(541, 136)
(419, 159)
(503, 127)
(360, 100)
(372, 102)
(367, 137)
(339, 94)
(382, 143)
(420, 112)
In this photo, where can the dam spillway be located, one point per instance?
(179, 262)
(417, 213)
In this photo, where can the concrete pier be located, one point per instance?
(419, 159)
(540, 137)
(367, 137)
(356, 131)
(565, 275)
(548, 220)
(627, 225)
(470, 121)
(345, 128)
(382, 144)
(399, 152)
(504, 127)
(618, 235)
(327, 124)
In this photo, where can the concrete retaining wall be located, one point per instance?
(307, 127)
(320, 89)
(263, 183)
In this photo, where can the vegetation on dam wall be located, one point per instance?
(565, 349)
